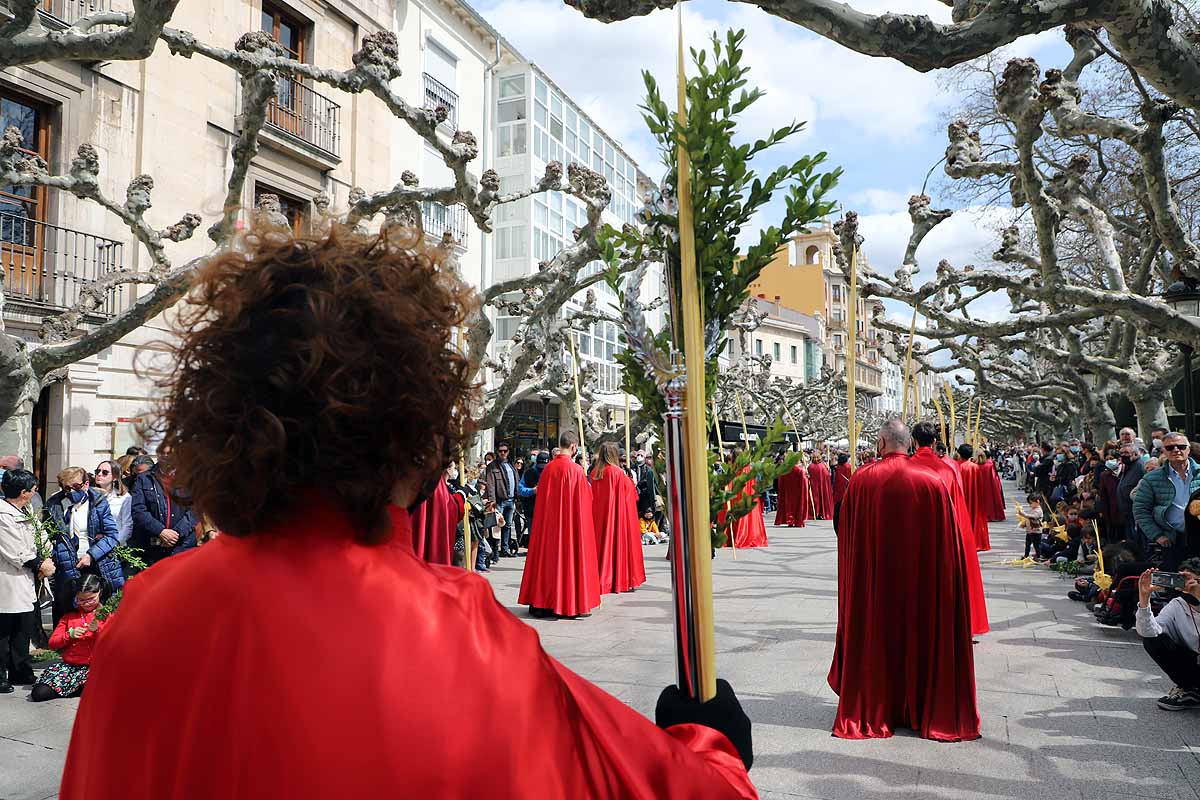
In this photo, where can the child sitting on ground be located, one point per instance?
(75, 636)
(1032, 525)
(650, 534)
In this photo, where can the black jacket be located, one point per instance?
(149, 506)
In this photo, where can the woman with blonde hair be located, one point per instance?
(615, 519)
(110, 483)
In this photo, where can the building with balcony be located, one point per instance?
(792, 340)
(175, 119)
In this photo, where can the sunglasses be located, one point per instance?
(1177, 447)
(103, 472)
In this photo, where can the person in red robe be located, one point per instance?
(750, 530)
(925, 435)
(225, 673)
(995, 493)
(615, 520)
(821, 483)
(902, 654)
(841, 482)
(974, 489)
(435, 524)
(562, 576)
(793, 499)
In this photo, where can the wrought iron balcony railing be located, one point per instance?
(309, 116)
(436, 219)
(438, 94)
(48, 264)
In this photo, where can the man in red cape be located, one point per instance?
(821, 484)
(974, 489)
(925, 435)
(561, 573)
(841, 482)
(435, 524)
(902, 656)
(995, 506)
(615, 519)
(793, 499)
(750, 530)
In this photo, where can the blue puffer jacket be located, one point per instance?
(102, 540)
(1154, 495)
(150, 505)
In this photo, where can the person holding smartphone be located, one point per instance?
(1172, 637)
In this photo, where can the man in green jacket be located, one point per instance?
(1160, 500)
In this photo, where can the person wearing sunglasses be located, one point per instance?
(1160, 501)
(108, 481)
(85, 536)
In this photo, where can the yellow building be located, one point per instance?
(804, 276)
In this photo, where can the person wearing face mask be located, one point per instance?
(85, 537)
(1156, 440)
(1132, 471)
(1172, 637)
(1106, 496)
(74, 636)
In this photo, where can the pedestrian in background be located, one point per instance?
(108, 481)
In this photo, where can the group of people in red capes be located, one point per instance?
(804, 493)
(910, 594)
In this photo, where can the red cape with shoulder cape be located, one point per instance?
(435, 525)
(995, 493)
(950, 476)
(561, 572)
(792, 503)
(821, 484)
(974, 489)
(243, 719)
(618, 532)
(841, 481)
(750, 530)
(902, 656)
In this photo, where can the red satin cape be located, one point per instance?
(819, 480)
(750, 530)
(618, 533)
(435, 524)
(561, 572)
(792, 502)
(902, 656)
(950, 476)
(974, 489)
(841, 481)
(995, 493)
(297, 664)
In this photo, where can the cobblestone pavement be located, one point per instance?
(1068, 706)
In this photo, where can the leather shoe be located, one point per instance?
(5, 686)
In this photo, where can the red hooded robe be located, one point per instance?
(750, 530)
(793, 499)
(618, 532)
(974, 489)
(962, 522)
(902, 656)
(260, 699)
(561, 572)
(822, 490)
(435, 525)
(995, 494)
(841, 480)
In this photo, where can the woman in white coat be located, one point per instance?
(18, 592)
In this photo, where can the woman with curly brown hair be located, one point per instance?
(320, 372)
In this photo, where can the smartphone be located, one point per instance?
(1168, 580)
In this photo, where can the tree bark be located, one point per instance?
(1151, 413)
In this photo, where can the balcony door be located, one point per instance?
(23, 208)
(287, 110)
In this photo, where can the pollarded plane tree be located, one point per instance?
(260, 63)
(1099, 232)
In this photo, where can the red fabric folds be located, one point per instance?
(750, 530)
(902, 656)
(434, 525)
(994, 510)
(841, 481)
(561, 572)
(618, 533)
(821, 484)
(950, 476)
(974, 489)
(792, 503)
(256, 725)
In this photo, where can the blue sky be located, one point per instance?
(882, 122)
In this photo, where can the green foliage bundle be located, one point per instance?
(729, 480)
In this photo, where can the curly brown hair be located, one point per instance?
(316, 364)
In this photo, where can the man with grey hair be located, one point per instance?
(902, 569)
(1162, 497)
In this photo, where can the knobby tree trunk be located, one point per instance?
(19, 389)
(1151, 413)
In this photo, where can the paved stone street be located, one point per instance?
(1068, 707)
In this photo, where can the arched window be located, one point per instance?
(812, 255)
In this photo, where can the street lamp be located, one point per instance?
(1184, 299)
(545, 396)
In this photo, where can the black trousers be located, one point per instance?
(1175, 660)
(14, 644)
(837, 516)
